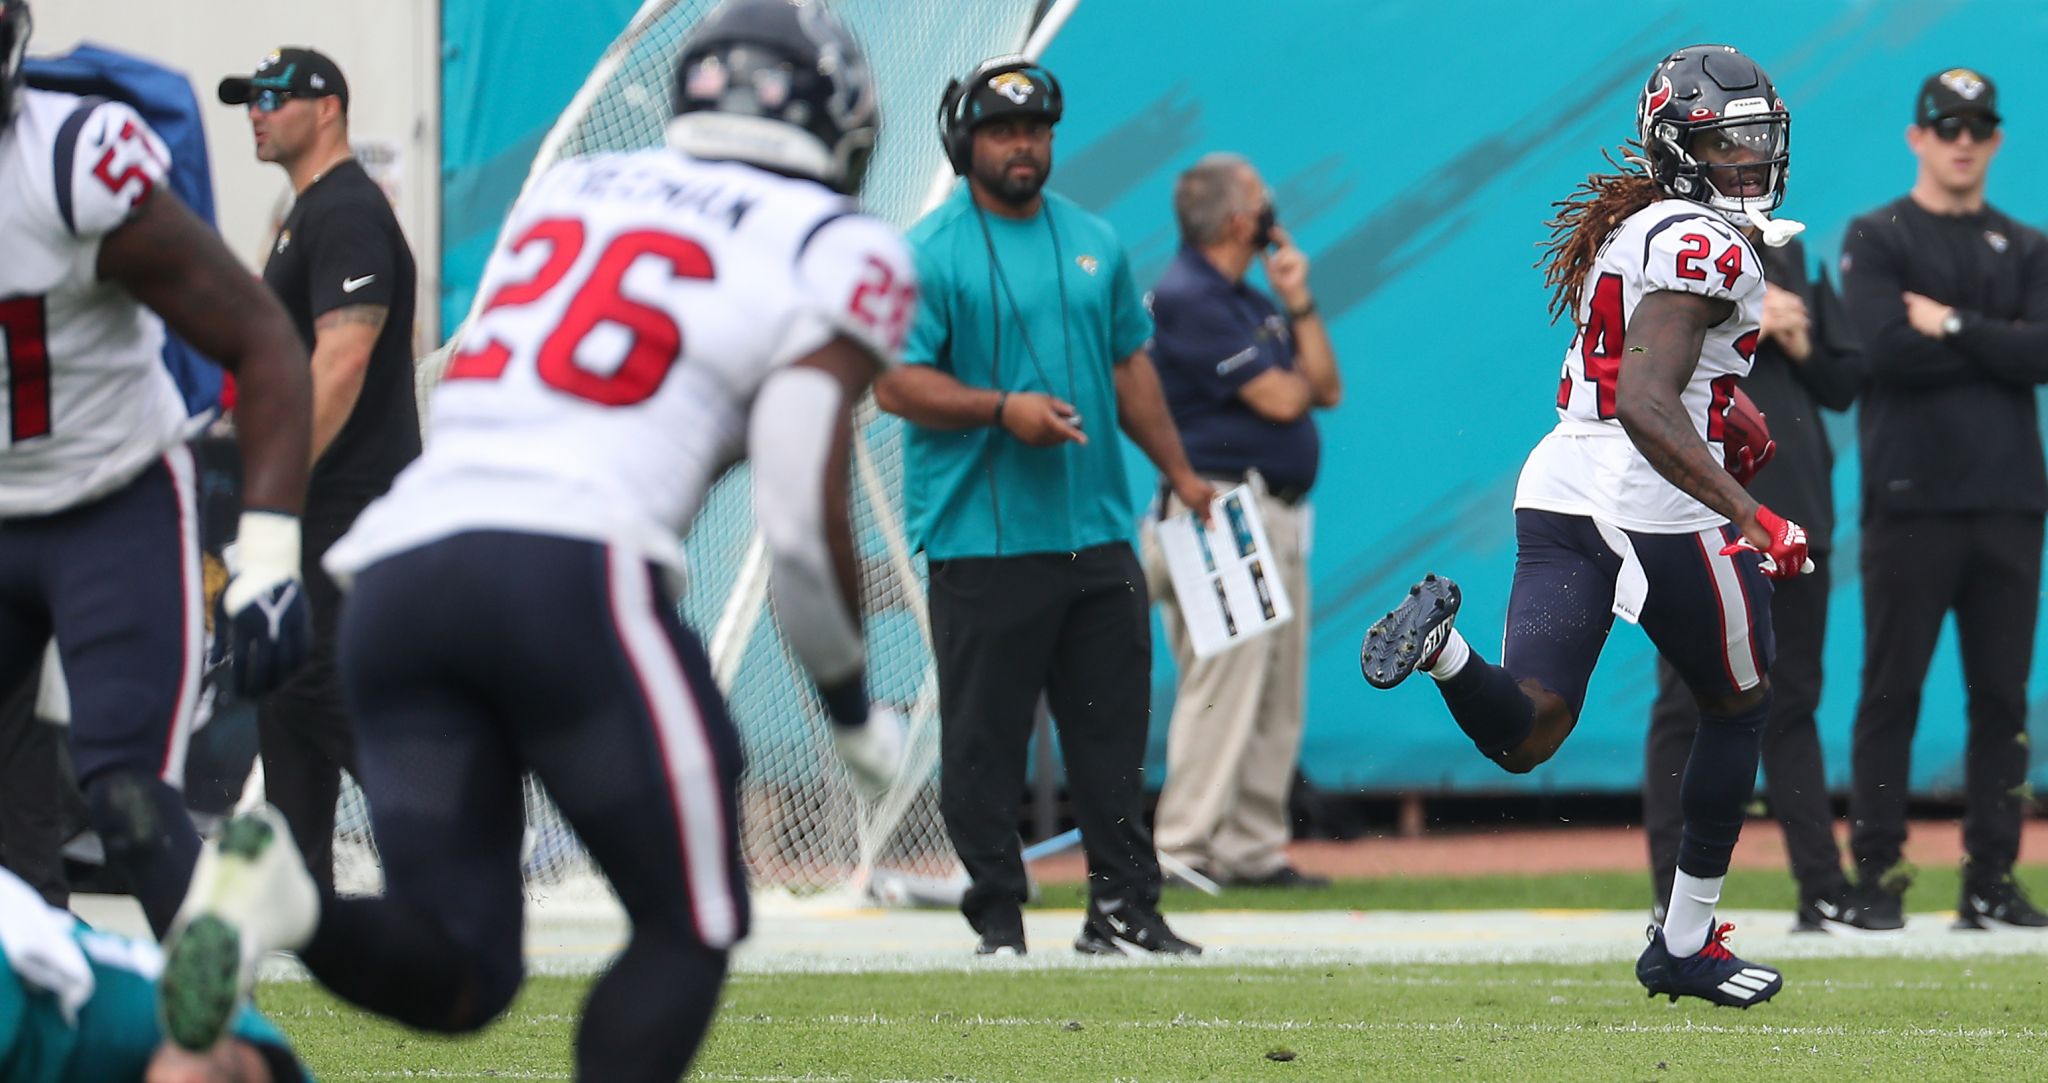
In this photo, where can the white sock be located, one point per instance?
(1691, 916)
(1452, 658)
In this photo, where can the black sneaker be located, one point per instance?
(1997, 904)
(1864, 909)
(1122, 929)
(1410, 637)
(1712, 973)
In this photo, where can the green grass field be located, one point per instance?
(1864, 1019)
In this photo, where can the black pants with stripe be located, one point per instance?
(1794, 777)
(1985, 567)
(1075, 627)
(116, 581)
(470, 661)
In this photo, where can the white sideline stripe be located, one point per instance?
(1735, 627)
(694, 783)
(184, 481)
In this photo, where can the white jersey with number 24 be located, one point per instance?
(1587, 465)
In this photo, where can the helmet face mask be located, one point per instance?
(778, 84)
(1713, 130)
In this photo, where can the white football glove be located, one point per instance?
(270, 631)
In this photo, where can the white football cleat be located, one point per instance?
(872, 751)
(251, 894)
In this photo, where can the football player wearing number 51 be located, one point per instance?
(101, 545)
(1625, 508)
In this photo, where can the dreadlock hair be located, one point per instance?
(1584, 219)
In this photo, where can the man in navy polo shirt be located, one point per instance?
(1241, 379)
(1026, 358)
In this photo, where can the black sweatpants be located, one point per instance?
(1075, 626)
(302, 731)
(1793, 774)
(1986, 567)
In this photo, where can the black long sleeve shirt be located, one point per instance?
(1949, 424)
(1798, 483)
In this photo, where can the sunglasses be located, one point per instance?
(1949, 129)
(270, 101)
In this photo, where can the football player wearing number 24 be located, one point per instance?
(512, 606)
(1626, 508)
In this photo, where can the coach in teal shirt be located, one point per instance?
(1045, 305)
(1026, 359)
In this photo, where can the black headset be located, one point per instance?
(957, 115)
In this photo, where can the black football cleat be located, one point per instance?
(1410, 637)
(1712, 974)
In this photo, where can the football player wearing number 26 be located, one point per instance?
(1625, 507)
(650, 319)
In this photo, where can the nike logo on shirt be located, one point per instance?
(350, 285)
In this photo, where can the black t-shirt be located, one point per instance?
(341, 246)
(1949, 424)
(1797, 484)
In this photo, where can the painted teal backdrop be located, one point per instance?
(1414, 148)
(508, 69)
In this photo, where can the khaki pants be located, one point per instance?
(1237, 718)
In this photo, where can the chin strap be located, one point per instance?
(1775, 231)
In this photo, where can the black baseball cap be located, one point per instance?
(1954, 93)
(999, 89)
(294, 70)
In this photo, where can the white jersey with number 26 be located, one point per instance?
(1587, 465)
(89, 403)
(633, 308)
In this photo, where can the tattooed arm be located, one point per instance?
(342, 338)
(1664, 339)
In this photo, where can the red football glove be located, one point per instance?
(1748, 464)
(1786, 556)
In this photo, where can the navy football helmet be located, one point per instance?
(781, 84)
(14, 28)
(1713, 130)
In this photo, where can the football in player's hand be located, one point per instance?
(1746, 444)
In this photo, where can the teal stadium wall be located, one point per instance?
(1414, 149)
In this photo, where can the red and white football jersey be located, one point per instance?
(89, 402)
(633, 308)
(1587, 465)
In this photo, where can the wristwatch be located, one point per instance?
(1952, 324)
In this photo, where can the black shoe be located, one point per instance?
(1129, 930)
(1410, 637)
(1815, 907)
(1997, 904)
(1864, 909)
(1712, 973)
(1006, 942)
(1284, 876)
